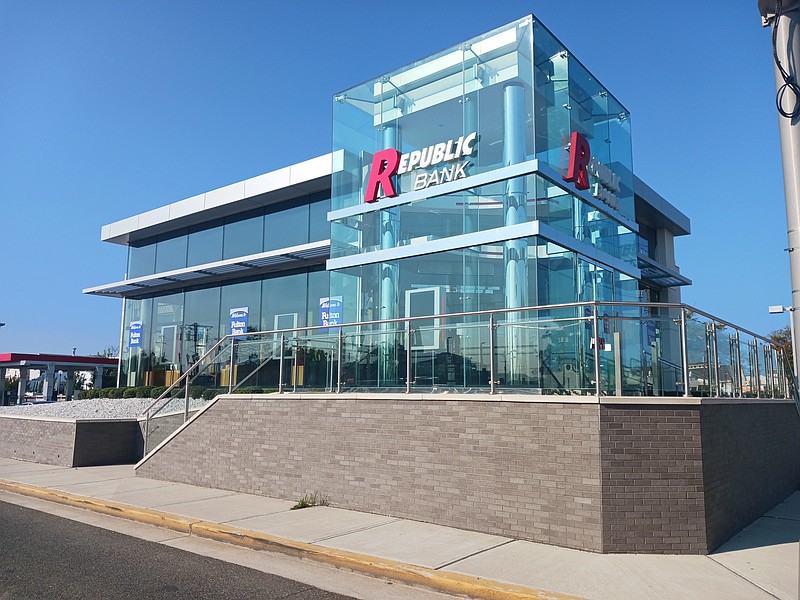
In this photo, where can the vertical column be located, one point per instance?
(2, 387)
(98, 377)
(515, 211)
(22, 385)
(390, 229)
(470, 299)
(70, 389)
(47, 386)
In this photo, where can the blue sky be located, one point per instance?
(108, 109)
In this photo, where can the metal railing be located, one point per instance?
(588, 348)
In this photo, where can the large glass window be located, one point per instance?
(319, 228)
(284, 302)
(167, 319)
(243, 237)
(141, 260)
(200, 328)
(288, 227)
(171, 253)
(241, 296)
(205, 246)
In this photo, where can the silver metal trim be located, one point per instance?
(488, 236)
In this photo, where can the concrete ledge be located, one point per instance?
(447, 582)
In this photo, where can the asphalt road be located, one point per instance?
(42, 556)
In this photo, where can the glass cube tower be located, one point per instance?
(460, 193)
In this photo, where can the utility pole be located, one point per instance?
(783, 17)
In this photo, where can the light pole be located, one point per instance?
(779, 309)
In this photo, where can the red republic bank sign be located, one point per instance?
(582, 164)
(388, 163)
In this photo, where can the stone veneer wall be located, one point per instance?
(661, 477)
(519, 469)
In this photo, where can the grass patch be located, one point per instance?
(309, 500)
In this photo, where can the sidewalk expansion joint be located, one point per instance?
(447, 582)
(740, 576)
(452, 562)
(366, 528)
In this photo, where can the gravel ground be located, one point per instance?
(93, 408)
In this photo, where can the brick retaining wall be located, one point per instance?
(661, 477)
(517, 469)
(70, 443)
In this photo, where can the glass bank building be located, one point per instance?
(477, 228)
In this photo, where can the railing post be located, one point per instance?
(596, 334)
(294, 366)
(186, 399)
(492, 378)
(146, 430)
(280, 364)
(340, 345)
(758, 370)
(739, 373)
(232, 365)
(684, 354)
(408, 356)
(717, 386)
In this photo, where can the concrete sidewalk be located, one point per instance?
(760, 562)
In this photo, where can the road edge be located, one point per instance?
(440, 581)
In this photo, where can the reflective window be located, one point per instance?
(319, 228)
(284, 302)
(200, 329)
(141, 260)
(243, 237)
(241, 295)
(205, 246)
(171, 253)
(288, 227)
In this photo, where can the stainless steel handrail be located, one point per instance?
(338, 334)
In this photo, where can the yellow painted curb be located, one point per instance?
(448, 582)
(106, 507)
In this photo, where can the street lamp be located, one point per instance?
(778, 309)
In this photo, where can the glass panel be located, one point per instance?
(204, 246)
(284, 302)
(141, 260)
(319, 227)
(243, 237)
(171, 253)
(286, 228)
(167, 320)
(200, 330)
(245, 296)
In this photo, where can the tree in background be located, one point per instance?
(109, 374)
(783, 338)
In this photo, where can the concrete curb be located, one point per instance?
(447, 582)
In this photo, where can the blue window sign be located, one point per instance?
(239, 318)
(135, 336)
(330, 311)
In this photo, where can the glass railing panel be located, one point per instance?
(700, 354)
(747, 362)
(314, 364)
(255, 363)
(450, 356)
(548, 352)
(374, 359)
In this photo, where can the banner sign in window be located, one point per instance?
(239, 318)
(330, 311)
(135, 339)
